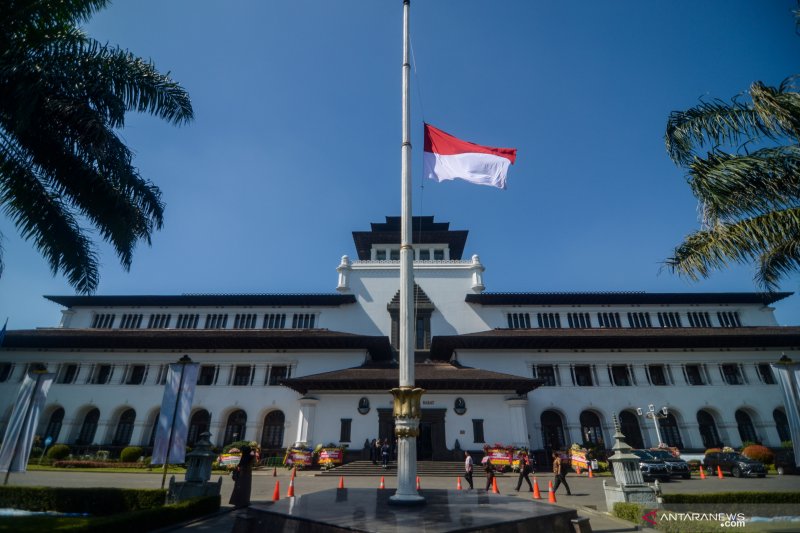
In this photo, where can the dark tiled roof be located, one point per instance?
(201, 300)
(429, 376)
(624, 298)
(624, 339)
(423, 231)
(196, 340)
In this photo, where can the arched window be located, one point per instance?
(154, 429)
(553, 431)
(708, 430)
(198, 425)
(782, 425)
(54, 425)
(629, 425)
(590, 429)
(747, 432)
(272, 436)
(670, 432)
(122, 437)
(234, 429)
(89, 427)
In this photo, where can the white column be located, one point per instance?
(519, 422)
(305, 424)
(477, 274)
(344, 269)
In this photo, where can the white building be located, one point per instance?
(531, 369)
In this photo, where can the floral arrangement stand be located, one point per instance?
(330, 456)
(299, 457)
(502, 456)
(579, 458)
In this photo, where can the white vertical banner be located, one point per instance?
(17, 442)
(173, 419)
(789, 377)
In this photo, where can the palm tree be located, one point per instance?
(750, 193)
(63, 96)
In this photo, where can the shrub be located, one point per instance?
(694, 464)
(67, 463)
(632, 512)
(759, 453)
(58, 452)
(95, 501)
(131, 454)
(602, 466)
(155, 518)
(102, 455)
(238, 445)
(36, 452)
(713, 450)
(787, 444)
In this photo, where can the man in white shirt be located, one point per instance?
(468, 469)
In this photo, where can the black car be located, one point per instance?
(784, 462)
(735, 464)
(677, 467)
(651, 468)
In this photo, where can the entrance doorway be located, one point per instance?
(431, 444)
(425, 442)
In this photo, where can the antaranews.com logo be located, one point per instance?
(656, 517)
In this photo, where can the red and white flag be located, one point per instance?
(449, 158)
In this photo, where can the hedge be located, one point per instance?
(95, 501)
(734, 497)
(632, 512)
(131, 454)
(98, 464)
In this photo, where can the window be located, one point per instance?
(424, 255)
(582, 375)
(159, 321)
(670, 432)
(423, 332)
(639, 320)
(729, 319)
(731, 374)
(5, 371)
(553, 430)
(68, 373)
(103, 321)
(519, 320)
(548, 320)
(303, 321)
(694, 375)
(244, 321)
(216, 321)
(699, 319)
(394, 255)
(131, 321)
(380, 255)
(579, 320)
(608, 320)
(477, 430)
(782, 425)
(669, 320)
(765, 373)
(242, 375)
(620, 375)
(234, 429)
(161, 378)
(276, 374)
(344, 431)
(207, 375)
(136, 374)
(154, 429)
(747, 432)
(629, 426)
(274, 321)
(657, 375)
(54, 425)
(438, 255)
(547, 373)
(708, 430)
(198, 424)
(102, 374)
(188, 321)
(272, 436)
(122, 436)
(590, 428)
(88, 428)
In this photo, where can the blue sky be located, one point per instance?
(296, 141)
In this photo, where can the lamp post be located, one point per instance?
(655, 416)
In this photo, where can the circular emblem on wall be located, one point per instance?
(363, 406)
(460, 406)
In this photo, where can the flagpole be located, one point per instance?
(183, 361)
(406, 396)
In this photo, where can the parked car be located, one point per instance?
(676, 466)
(735, 464)
(784, 462)
(651, 468)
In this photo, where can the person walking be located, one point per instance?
(468, 469)
(242, 479)
(559, 473)
(524, 471)
(489, 469)
(385, 453)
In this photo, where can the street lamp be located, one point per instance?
(655, 416)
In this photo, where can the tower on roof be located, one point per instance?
(432, 241)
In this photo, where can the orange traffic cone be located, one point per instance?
(382, 485)
(418, 483)
(719, 472)
(277, 494)
(458, 484)
(552, 497)
(536, 494)
(494, 486)
(702, 472)
(290, 492)
(341, 482)
(591, 474)
(294, 471)
(274, 471)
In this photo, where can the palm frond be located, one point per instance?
(779, 261)
(778, 109)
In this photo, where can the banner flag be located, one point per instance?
(789, 377)
(181, 382)
(17, 442)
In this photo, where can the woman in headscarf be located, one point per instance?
(243, 479)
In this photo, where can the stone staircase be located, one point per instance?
(424, 469)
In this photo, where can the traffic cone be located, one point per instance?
(578, 469)
(418, 483)
(382, 485)
(276, 495)
(458, 484)
(702, 472)
(294, 471)
(552, 497)
(591, 474)
(494, 486)
(536, 494)
(290, 492)
(341, 482)
(719, 472)
(274, 471)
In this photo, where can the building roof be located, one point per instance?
(423, 231)
(429, 376)
(207, 300)
(196, 340)
(788, 338)
(624, 298)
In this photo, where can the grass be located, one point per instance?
(110, 469)
(35, 524)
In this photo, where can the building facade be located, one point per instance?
(540, 370)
